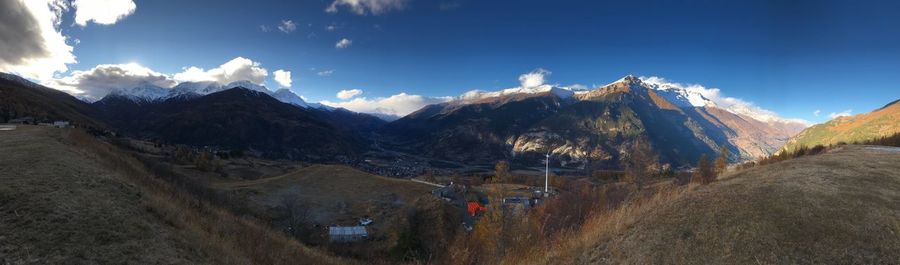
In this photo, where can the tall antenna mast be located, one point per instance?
(547, 175)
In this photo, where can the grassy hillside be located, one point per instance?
(68, 198)
(842, 207)
(882, 122)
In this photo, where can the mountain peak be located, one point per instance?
(630, 78)
(287, 96)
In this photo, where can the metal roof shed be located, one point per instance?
(347, 233)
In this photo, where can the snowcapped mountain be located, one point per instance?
(144, 92)
(285, 95)
(476, 95)
(192, 89)
(593, 127)
(699, 96)
(148, 92)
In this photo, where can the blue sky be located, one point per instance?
(791, 57)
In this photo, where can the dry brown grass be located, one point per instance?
(334, 194)
(158, 223)
(842, 207)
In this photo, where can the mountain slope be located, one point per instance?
(881, 122)
(21, 98)
(240, 119)
(587, 129)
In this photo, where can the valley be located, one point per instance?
(447, 184)
(449, 132)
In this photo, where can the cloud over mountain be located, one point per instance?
(283, 78)
(348, 94)
(97, 82)
(534, 78)
(396, 105)
(238, 69)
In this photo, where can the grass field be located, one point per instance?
(334, 195)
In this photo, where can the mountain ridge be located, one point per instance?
(589, 127)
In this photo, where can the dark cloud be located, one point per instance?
(20, 34)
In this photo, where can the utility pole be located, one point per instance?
(547, 176)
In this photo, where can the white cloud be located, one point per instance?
(283, 78)
(287, 26)
(237, 69)
(264, 28)
(343, 43)
(325, 72)
(31, 44)
(817, 112)
(348, 94)
(95, 83)
(397, 105)
(362, 7)
(104, 12)
(534, 78)
(845, 113)
(529, 83)
(732, 104)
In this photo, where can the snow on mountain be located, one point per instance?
(475, 95)
(192, 89)
(695, 95)
(142, 92)
(285, 95)
(684, 96)
(678, 95)
(149, 92)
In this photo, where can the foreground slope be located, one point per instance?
(66, 198)
(881, 122)
(842, 207)
(59, 206)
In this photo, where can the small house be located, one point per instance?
(474, 208)
(23, 120)
(347, 233)
(518, 204)
(61, 124)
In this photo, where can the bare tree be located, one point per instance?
(296, 212)
(501, 170)
(705, 173)
(639, 163)
(722, 160)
